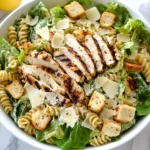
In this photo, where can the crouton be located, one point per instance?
(132, 67)
(40, 120)
(74, 10)
(125, 113)
(129, 85)
(107, 19)
(97, 102)
(15, 89)
(111, 128)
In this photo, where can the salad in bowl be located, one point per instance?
(75, 75)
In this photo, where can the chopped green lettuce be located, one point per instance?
(127, 125)
(75, 138)
(122, 14)
(38, 10)
(6, 50)
(87, 2)
(101, 8)
(58, 13)
(94, 133)
(53, 130)
(20, 107)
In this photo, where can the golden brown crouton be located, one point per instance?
(111, 128)
(132, 67)
(125, 113)
(74, 10)
(107, 19)
(40, 120)
(15, 89)
(97, 102)
(129, 85)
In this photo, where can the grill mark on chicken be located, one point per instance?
(106, 52)
(72, 42)
(68, 66)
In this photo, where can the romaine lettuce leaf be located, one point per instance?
(101, 8)
(58, 13)
(38, 10)
(125, 126)
(6, 50)
(20, 107)
(53, 130)
(121, 13)
(138, 30)
(75, 138)
(82, 1)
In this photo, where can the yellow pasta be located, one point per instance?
(93, 119)
(23, 32)
(7, 76)
(81, 110)
(12, 35)
(114, 77)
(100, 140)
(51, 110)
(13, 63)
(5, 102)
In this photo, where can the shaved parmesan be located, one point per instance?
(92, 14)
(44, 33)
(133, 55)
(123, 38)
(107, 113)
(69, 116)
(88, 88)
(63, 24)
(57, 40)
(99, 82)
(83, 22)
(37, 97)
(31, 21)
(111, 88)
(104, 31)
(111, 104)
(86, 124)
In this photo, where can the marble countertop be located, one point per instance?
(141, 142)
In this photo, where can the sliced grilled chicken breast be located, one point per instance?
(71, 41)
(43, 76)
(71, 54)
(74, 91)
(95, 53)
(106, 52)
(68, 66)
(42, 59)
(41, 86)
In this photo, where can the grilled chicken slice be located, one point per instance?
(43, 59)
(95, 53)
(68, 66)
(76, 60)
(71, 41)
(43, 76)
(74, 91)
(106, 52)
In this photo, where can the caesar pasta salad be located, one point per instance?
(75, 75)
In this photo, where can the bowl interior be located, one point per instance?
(12, 127)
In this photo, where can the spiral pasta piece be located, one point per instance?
(7, 76)
(143, 49)
(143, 61)
(100, 140)
(93, 119)
(81, 110)
(114, 77)
(13, 63)
(2, 87)
(51, 110)
(5, 102)
(12, 35)
(23, 32)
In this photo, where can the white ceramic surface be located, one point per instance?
(7, 122)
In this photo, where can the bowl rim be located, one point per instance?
(6, 121)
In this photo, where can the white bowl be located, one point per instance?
(12, 127)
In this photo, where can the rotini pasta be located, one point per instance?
(100, 140)
(23, 32)
(51, 110)
(5, 102)
(93, 118)
(7, 76)
(13, 63)
(114, 77)
(12, 35)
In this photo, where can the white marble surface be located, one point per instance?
(141, 142)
